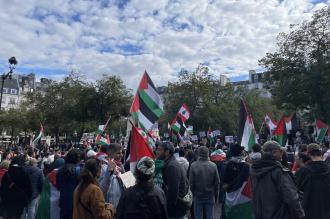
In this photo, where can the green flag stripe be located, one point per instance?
(252, 140)
(321, 135)
(150, 103)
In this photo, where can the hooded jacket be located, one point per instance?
(314, 182)
(274, 193)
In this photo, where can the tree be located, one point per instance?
(298, 73)
(211, 104)
(74, 106)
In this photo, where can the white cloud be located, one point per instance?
(164, 36)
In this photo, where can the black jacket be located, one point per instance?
(142, 202)
(16, 189)
(274, 193)
(314, 181)
(37, 180)
(176, 186)
(204, 180)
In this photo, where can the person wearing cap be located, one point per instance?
(143, 200)
(204, 183)
(275, 195)
(175, 180)
(314, 182)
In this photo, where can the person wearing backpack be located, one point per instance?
(143, 200)
(314, 182)
(16, 189)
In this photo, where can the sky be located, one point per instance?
(127, 37)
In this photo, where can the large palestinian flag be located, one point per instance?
(247, 133)
(321, 130)
(147, 105)
(281, 133)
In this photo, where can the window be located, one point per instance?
(12, 101)
(4, 90)
(256, 78)
(13, 91)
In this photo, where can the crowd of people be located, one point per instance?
(183, 181)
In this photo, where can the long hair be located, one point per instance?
(71, 160)
(88, 175)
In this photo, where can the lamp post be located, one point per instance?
(12, 63)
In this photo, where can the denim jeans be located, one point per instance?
(30, 211)
(202, 207)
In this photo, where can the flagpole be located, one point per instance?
(106, 124)
(262, 125)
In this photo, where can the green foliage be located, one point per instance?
(211, 104)
(299, 71)
(72, 106)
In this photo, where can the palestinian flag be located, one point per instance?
(138, 148)
(321, 130)
(271, 124)
(147, 105)
(247, 133)
(210, 136)
(101, 137)
(291, 123)
(41, 133)
(238, 203)
(184, 112)
(147, 137)
(49, 198)
(281, 132)
(178, 126)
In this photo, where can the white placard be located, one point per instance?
(194, 138)
(229, 139)
(128, 179)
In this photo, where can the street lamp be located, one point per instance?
(12, 64)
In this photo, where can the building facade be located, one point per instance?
(15, 89)
(255, 82)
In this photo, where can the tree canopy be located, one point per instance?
(71, 107)
(298, 73)
(211, 104)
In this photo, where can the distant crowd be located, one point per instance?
(183, 181)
